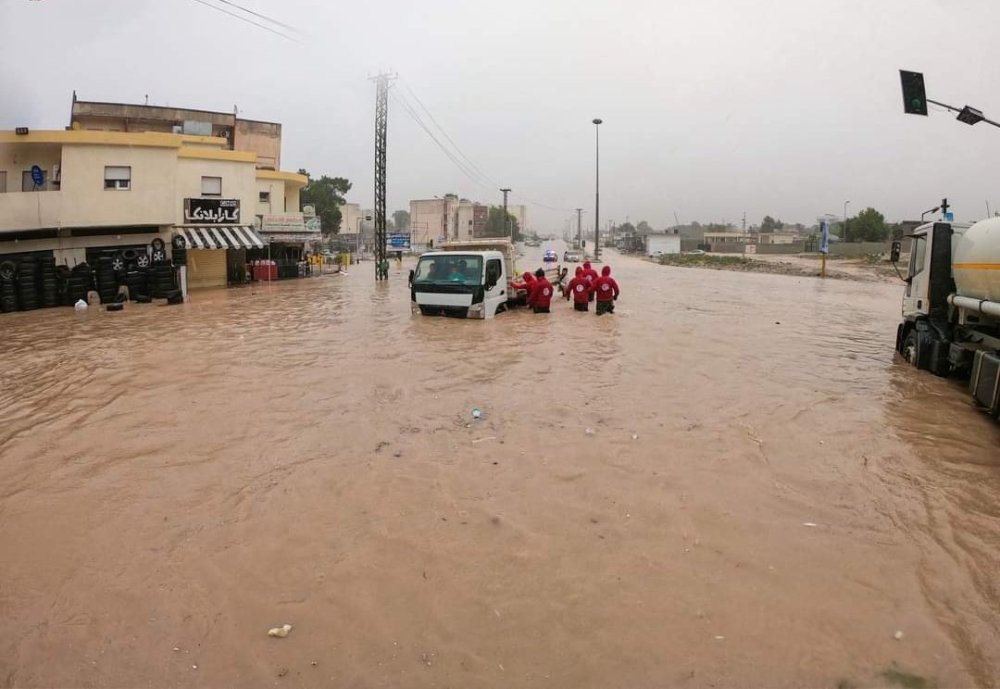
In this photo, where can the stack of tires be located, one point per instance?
(137, 281)
(49, 284)
(8, 295)
(78, 284)
(161, 280)
(107, 282)
(27, 284)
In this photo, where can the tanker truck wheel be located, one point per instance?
(918, 349)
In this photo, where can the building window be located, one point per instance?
(117, 177)
(211, 186)
(3, 181)
(265, 197)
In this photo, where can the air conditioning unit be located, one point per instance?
(225, 133)
(177, 129)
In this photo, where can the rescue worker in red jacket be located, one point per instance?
(541, 293)
(581, 288)
(527, 280)
(607, 291)
(590, 274)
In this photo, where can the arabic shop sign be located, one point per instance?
(212, 211)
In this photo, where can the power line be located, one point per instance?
(468, 168)
(441, 129)
(248, 21)
(258, 14)
(415, 116)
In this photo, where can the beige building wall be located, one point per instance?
(238, 182)
(261, 138)
(520, 212)
(434, 219)
(16, 158)
(149, 201)
(350, 213)
(465, 220)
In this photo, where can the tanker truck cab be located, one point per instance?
(951, 306)
(461, 284)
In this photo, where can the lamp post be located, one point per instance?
(845, 220)
(357, 240)
(597, 188)
(505, 221)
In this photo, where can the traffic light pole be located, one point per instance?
(967, 114)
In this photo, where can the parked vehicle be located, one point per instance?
(572, 257)
(951, 305)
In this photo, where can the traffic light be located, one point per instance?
(914, 96)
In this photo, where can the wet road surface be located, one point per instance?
(765, 497)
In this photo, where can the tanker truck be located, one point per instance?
(951, 305)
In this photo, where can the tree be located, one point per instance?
(626, 228)
(769, 224)
(401, 220)
(326, 194)
(495, 226)
(643, 228)
(868, 226)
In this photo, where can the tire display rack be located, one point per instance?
(33, 281)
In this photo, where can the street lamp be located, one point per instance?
(845, 221)
(597, 188)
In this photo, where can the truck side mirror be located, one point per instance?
(894, 252)
(410, 280)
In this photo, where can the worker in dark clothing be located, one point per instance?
(581, 288)
(607, 291)
(541, 293)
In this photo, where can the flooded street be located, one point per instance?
(765, 497)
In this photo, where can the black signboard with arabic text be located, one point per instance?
(212, 211)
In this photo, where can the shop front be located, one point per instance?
(216, 255)
(291, 242)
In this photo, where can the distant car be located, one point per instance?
(696, 252)
(572, 257)
(550, 256)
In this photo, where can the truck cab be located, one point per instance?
(460, 284)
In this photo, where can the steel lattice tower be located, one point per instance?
(381, 122)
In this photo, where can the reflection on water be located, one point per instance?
(189, 476)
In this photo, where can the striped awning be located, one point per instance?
(221, 237)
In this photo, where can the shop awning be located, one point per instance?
(221, 237)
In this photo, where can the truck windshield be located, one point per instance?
(461, 269)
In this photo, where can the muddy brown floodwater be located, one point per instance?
(766, 496)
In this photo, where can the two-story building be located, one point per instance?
(118, 177)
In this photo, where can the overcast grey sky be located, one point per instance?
(711, 107)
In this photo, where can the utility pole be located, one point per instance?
(506, 222)
(579, 229)
(381, 122)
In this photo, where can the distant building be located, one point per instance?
(657, 244)
(777, 238)
(449, 218)
(731, 242)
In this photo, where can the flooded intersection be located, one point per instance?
(730, 482)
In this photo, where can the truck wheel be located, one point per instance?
(909, 348)
(919, 351)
